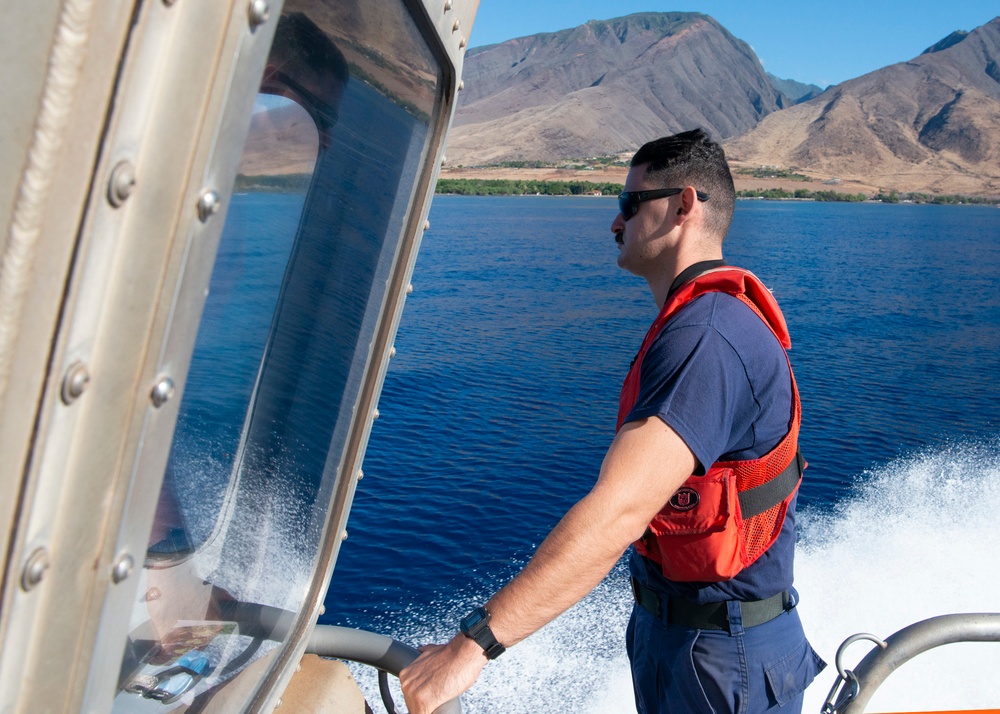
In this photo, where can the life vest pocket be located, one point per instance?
(703, 504)
(697, 533)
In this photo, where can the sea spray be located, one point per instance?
(916, 538)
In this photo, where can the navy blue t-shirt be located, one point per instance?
(718, 376)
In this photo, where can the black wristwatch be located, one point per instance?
(476, 626)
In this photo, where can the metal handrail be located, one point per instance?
(374, 650)
(857, 687)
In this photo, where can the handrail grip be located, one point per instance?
(915, 639)
(371, 649)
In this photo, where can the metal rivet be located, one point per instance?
(74, 382)
(461, 84)
(375, 414)
(409, 288)
(447, 5)
(162, 392)
(361, 474)
(122, 183)
(122, 567)
(208, 204)
(322, 609)
(277, 703)
(427, 225)
(153, 594)
(462, 43)
(444, 159)
(259, 13)
(344, 535)
(392, 351)
(34, 568)
(454, 28)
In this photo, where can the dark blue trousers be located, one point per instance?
(679, 670)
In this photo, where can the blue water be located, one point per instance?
(500, 403)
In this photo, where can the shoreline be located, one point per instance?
(825, 193)
(617, 174)
(902, 202)
(609, 180)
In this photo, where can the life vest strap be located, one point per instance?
(769, 494)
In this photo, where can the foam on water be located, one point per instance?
(917, 538)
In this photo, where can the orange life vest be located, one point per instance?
(717, 524)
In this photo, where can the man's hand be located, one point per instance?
(441, 673)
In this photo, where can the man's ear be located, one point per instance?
(689, 198)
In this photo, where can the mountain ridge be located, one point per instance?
(605, 87)
(931, 123)
(928, 124)
(796, 91)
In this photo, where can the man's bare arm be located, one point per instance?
(646, 463)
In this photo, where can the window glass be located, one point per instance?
(251, 262)
(338, 137)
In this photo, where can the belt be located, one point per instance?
(710, 616)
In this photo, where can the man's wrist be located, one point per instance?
(476, 627)
(467, 649)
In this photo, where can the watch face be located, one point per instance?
(473, 619)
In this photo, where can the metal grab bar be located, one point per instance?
(379, 651)
(859, 685)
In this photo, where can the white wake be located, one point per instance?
(918, 537)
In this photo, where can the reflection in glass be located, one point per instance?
(338, 139)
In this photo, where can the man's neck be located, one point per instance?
(660, 284)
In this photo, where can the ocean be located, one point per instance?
(500, 403)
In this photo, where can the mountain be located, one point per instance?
(952, 39)
(282, 140)
(930, 124)
(606, 87)
(796, 91)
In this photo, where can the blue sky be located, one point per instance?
(813, 41)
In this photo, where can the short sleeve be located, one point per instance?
(697, 381)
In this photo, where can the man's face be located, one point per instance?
(642, 238)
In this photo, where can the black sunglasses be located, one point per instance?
(324, 113)
(628, 202)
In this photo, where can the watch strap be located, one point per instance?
(476, 626)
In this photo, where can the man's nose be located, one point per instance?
(618, 225)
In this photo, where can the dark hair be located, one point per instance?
(692, 159)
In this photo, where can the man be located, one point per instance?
(702, 476)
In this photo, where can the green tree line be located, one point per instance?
(801, 194)
(513, 187)
(283, 183)
(891, 197)
(299, 183)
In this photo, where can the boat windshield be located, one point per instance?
(339, 138)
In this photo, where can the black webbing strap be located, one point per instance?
(710, 616)
(755, 501)
(693, 271)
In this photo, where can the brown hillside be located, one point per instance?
(931, 124)
(605, 87)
